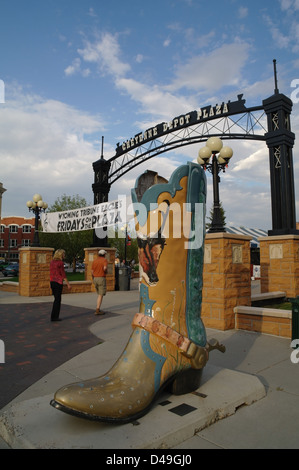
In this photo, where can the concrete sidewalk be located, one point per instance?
(255, 370)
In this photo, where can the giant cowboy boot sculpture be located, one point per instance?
(168, 346)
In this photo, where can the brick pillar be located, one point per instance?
(279, 257)
(90, 255)
(34, 271)
(226, 278)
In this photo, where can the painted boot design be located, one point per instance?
(168, 346)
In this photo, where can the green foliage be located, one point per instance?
(72, 242)
(65, 203)
(114, 240)
(210, 217)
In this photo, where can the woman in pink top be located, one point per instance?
(57, 276)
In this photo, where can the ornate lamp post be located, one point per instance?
(36, 206)
(214, 147)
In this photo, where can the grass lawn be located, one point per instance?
(8, 278)
(281, 305)
(76, 276)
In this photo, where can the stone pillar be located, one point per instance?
(280, 141)
(279, 257)
(34, 271)
(226, 278)
(90, 255)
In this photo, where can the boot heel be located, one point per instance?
(186, 381)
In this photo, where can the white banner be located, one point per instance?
(92, 217)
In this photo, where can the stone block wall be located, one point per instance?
(77, 287)
(226, 278)
(34, 271)
(264, 320)
(279, 257)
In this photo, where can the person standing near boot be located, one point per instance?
(98, 272)
(57, 276)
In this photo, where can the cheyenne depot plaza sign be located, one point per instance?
(184, 120)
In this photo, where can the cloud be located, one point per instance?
(46, 147)
(105, 52)
(259, 89)
(252, 165)
(92, 13)
(139, 58)
(76, 68)
(163, 165)
(289, 5)
(247, 178)
(246, 207)
(289, 18)
(205, 40)
(201, 74)
(72, 69)
(208, 72)
(154, 99)
(281, 41)
(242, 12)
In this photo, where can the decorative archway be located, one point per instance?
(268, 122)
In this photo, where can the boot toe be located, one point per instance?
(105, 400)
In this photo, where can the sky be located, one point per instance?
(76, 70)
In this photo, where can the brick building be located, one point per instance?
(15, 232)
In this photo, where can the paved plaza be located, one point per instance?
(255, 385)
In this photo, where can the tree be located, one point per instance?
(72, 242)
(119, 243)
(210, 217)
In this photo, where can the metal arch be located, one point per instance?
(231, 120)
(248, 125)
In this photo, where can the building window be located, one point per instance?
(2, 228)
(1, 243)
(25, 242)
(26, 228)
(13, 228)
(13, 243)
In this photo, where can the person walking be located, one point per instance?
(57, 276)
(98, 272)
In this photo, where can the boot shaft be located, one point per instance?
(170, 226)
